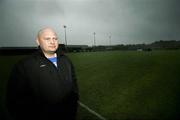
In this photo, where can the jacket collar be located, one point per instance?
(39, 52)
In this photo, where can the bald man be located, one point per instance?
(43, 86)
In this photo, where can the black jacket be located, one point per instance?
(37, 86)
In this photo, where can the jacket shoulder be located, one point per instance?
(66, 58)
(27, 60)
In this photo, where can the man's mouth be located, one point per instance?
(52, 46)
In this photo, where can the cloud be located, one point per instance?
(127, 21)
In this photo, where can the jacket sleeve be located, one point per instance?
(16, 88)
(75, 85)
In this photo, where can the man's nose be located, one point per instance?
(52, 41)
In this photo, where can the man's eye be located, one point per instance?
(54, 38)
(47, 38)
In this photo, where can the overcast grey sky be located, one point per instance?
(126, 21)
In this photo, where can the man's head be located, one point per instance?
(47, 40)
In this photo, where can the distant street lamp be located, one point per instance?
(110, 40)
(65, 34)
(94, 39)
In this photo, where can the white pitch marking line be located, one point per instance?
(91, 111)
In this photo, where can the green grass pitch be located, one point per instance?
(121, 85)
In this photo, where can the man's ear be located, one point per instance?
(37, 41)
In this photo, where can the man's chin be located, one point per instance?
(51, 51)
